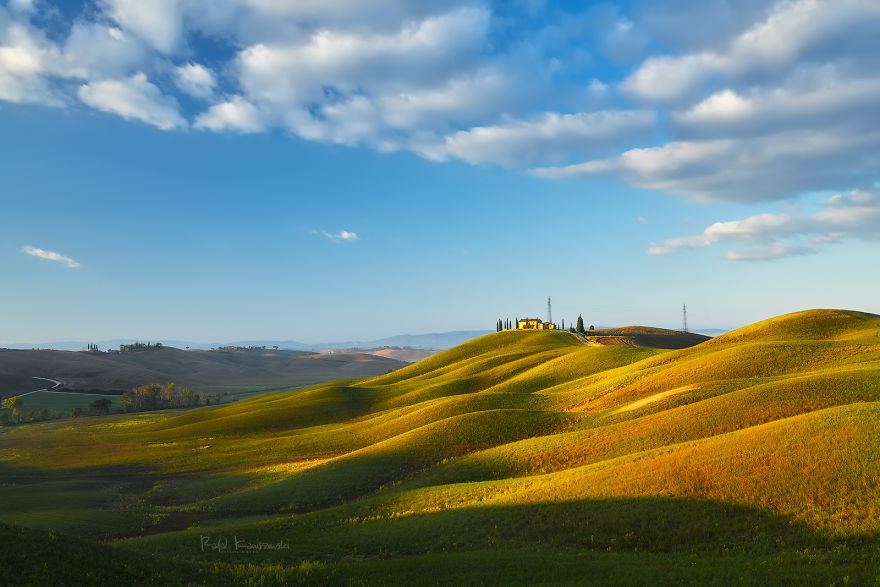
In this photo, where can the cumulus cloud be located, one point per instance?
(747, 170)
(550, 136)
(50, 255)
(236, 114)
(196, 80)
(855, 215)
(794, 30)
(94, 50)
(158, 22)
(26, 58)
(356, 87)
(136, 98)
(332, 63)
(815, 99)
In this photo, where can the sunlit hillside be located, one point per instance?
(521, 456)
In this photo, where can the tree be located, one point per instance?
(14, 405)
(592, 327)
(580, 324)
(76, 412)
(100, 406)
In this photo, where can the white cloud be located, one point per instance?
(685, 25)
(772, 236)
(95, 51)
(454, 100)
(26, 58)
(548, 137)
(196, 80)
(725, 107)
(236, 114)
(134, 97)
(158, 22)
(342, 235)
(816, 98)
(334, 64)
(668, 79)
(775, 167)
(793, 31)
(50, 255)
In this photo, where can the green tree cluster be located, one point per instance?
(157, 397)
(504, 324)
(99, 406)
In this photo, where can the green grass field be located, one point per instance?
(515, 458)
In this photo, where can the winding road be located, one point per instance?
(53, 389)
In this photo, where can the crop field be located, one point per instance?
(15, 384)
(520, 457)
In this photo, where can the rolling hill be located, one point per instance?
(517, 457)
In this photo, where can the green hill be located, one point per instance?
(517, 457)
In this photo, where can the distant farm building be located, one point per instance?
(534, 324)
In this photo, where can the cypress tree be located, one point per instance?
(580, 324)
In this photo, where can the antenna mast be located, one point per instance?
(549, 313)
(684, 318)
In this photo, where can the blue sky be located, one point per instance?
(354, 169)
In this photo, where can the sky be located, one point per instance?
(220, 170)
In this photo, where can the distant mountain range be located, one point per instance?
(433, 341)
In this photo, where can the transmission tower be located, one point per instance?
(684, 318)
(549, 313)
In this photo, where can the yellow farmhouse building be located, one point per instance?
(533, 324)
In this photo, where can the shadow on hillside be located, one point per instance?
(92, 502)
(646, 525)
(657, 534)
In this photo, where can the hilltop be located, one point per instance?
(645, 336)
(517, 457)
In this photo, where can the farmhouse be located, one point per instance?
(534, 324)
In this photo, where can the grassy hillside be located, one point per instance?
(518, 457)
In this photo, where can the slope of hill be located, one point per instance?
(517, 457)
(199, 370)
